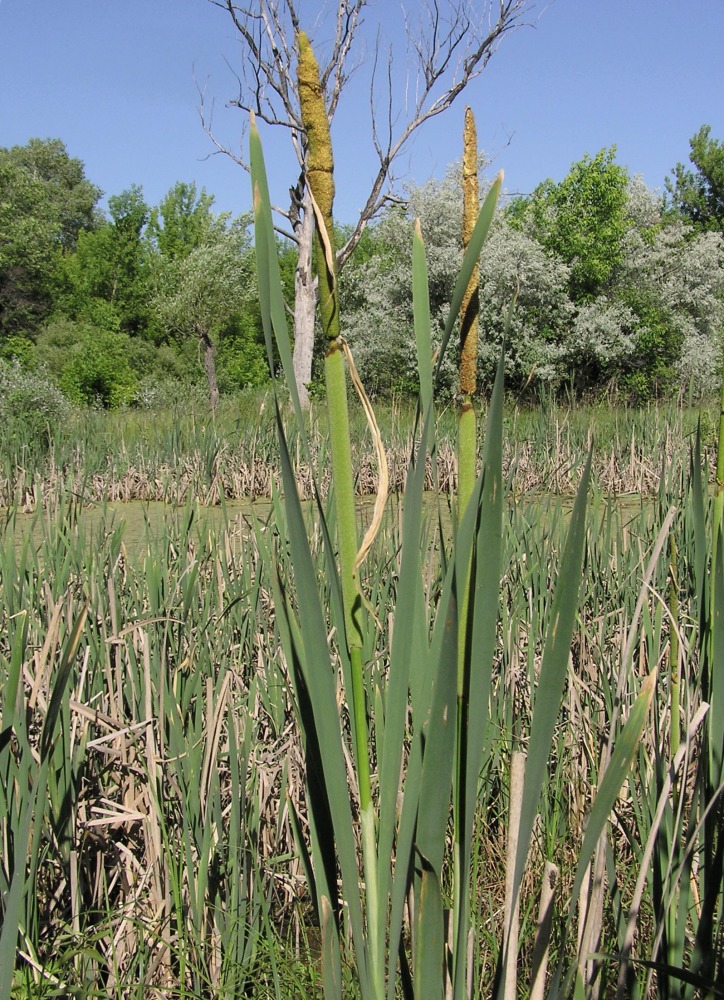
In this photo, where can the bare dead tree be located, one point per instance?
(449, 45)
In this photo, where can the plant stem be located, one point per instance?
(719, 494)
(320, 177)
(674, 649)
(467, 455)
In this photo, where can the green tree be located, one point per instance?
(105, 281)
(672, 279)
(96, 370)
(698, 195)
(184, 220)
(582, 220)
(46, 203)
(206, 294)
(654, 325)
(92, 366)
(657, 325)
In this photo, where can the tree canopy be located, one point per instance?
(46, 202)
(582, 219)
(204, 292)
(184, 220)
(105, 280)
(609, 289)
(614, 285)
(698, 194)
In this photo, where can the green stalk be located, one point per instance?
(467, 454)
(719, 494)
(320, 177)
(674, 649)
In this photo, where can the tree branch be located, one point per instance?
(452, 45)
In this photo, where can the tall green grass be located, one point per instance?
(137, 798)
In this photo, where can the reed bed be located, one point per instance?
(162, 857)
(168, 458)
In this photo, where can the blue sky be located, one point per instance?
(117, 80)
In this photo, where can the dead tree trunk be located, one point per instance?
(305, 301)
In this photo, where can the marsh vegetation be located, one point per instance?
(417, 696)
(176, 812)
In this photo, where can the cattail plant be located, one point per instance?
(320, 178)
(437, 671)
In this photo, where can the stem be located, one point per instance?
(719, 494)
(543, 931)
(320, 177)
(512, 892)
(341, 454)
(674, 650)
(467, 455)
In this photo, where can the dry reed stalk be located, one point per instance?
(624, 468)
(511, 919)
(543, 931)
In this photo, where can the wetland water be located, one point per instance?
(143, 524)
(140, 523)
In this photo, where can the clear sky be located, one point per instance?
(117, 81)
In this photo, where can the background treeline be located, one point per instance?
(119, 308)
(617, 286)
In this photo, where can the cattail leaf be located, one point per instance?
(481, 640)
(699, 524)
(321, 718)
(13, 900)
(421, 315)
(716, 664)
(331, 962)
(321, 867)
(271, 298)
(613, 779)
(486, 585)
(12, 671)
(553, 671)
(440, 729)
(404, 851)
(60, 684)
(429, 956)
(409, 683)
(409, 632)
